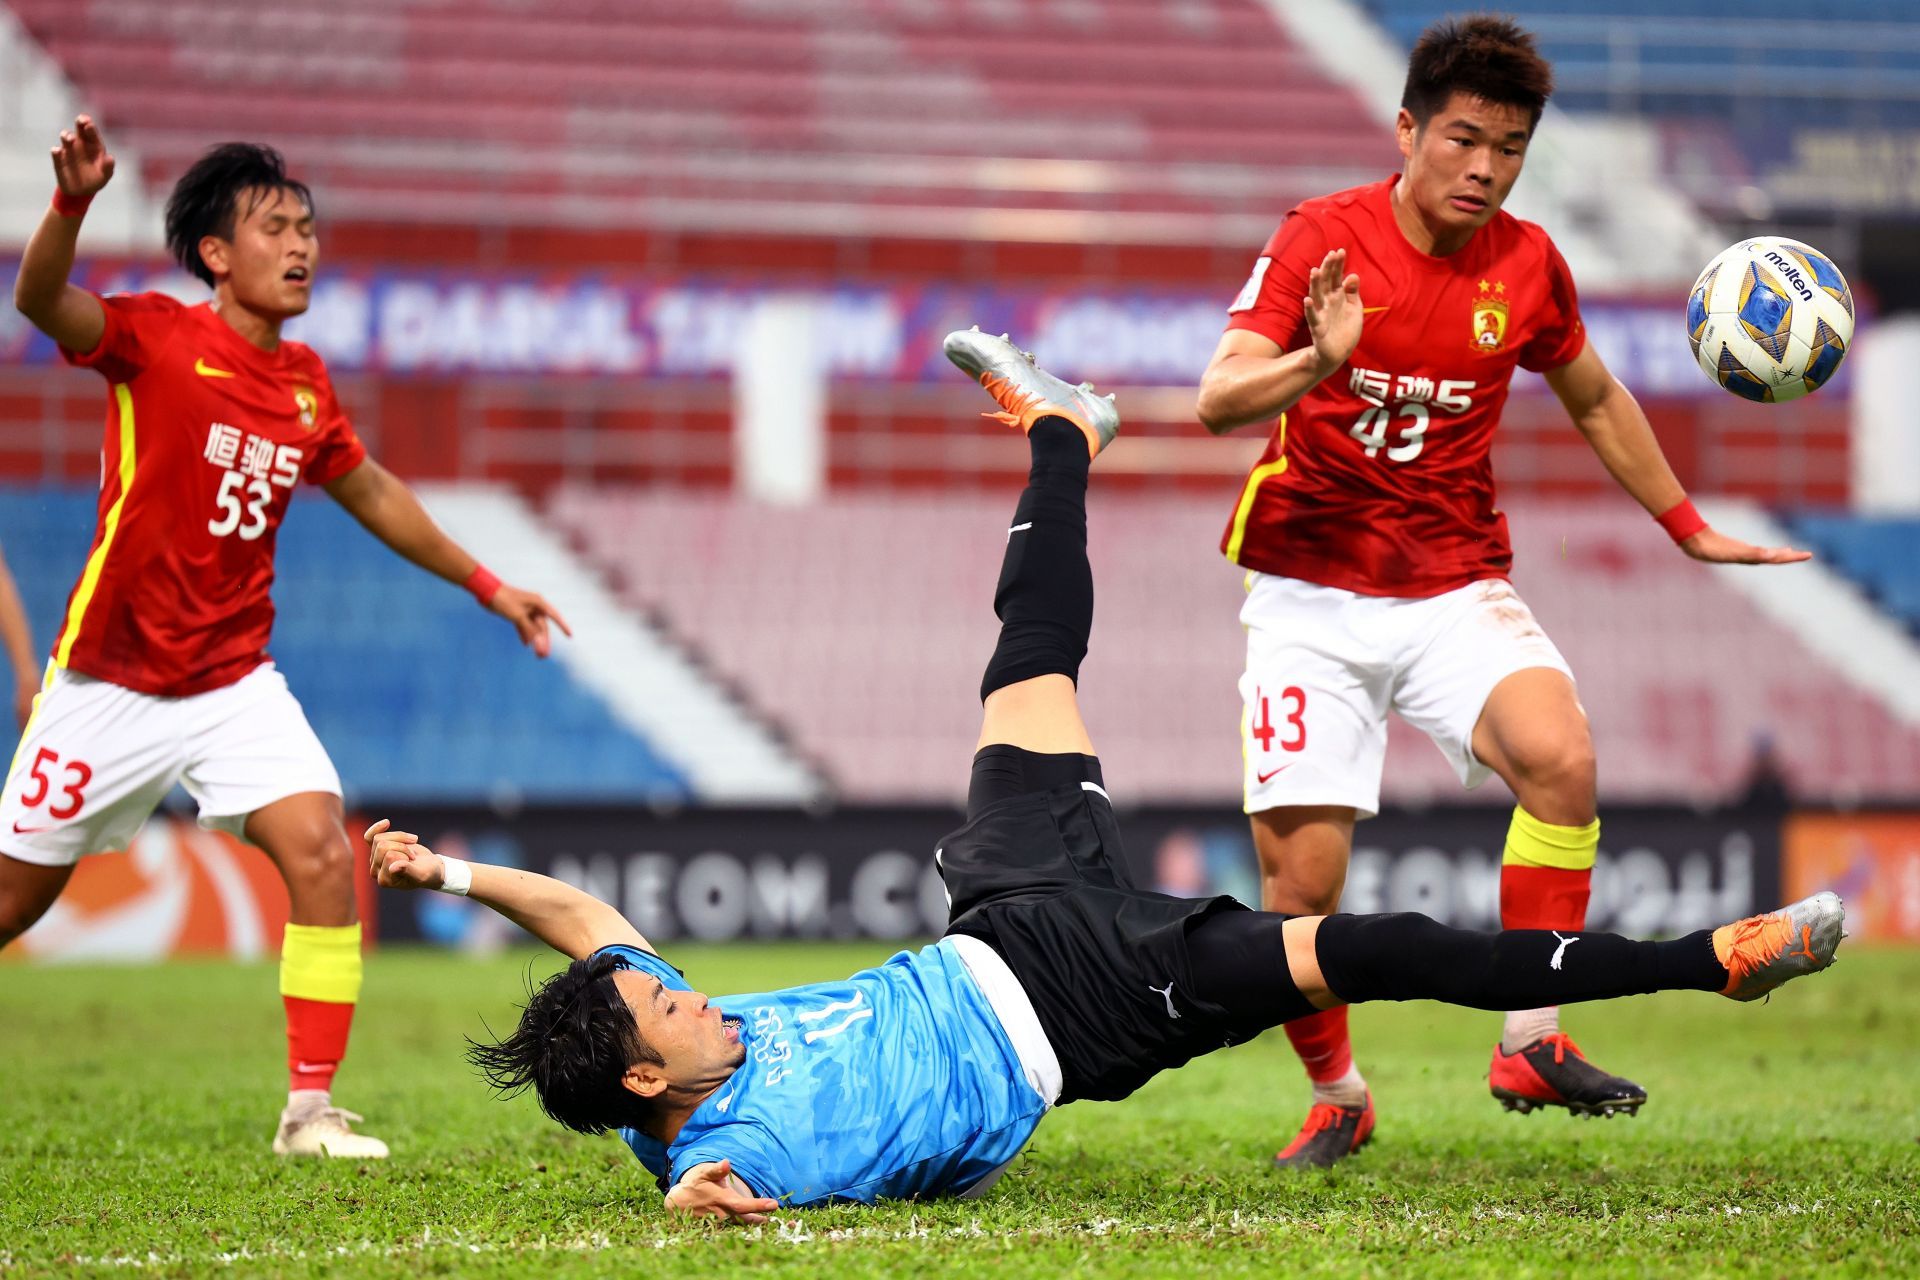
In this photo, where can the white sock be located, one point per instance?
(1524, 1026)
(1350, 1090)
(301, 1100)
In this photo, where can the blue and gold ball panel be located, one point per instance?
(1765, 310)
(1825, 275)
(1735, 378)
(1827, 350)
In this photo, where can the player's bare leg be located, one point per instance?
(27, 889)
(320, 969)
(1303, 851)
(1534, 734)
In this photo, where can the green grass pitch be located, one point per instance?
(136, 1106)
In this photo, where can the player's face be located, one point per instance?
(1462, 162)
(700, 1047)
(269, 264)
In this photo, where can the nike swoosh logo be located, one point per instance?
(1367, 311)
(28, 831)
(206, 370)
(1271, 775)
(310, 1067)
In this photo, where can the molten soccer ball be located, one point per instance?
(1770, 319)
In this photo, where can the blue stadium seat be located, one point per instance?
(417, 695)
(1852, 63)
(1877, 552)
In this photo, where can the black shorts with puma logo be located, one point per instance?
(1037, 873)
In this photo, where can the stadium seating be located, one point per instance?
(739, 114)
(863, 626)
(1769, 66)
(387, 665)
(1881, 553)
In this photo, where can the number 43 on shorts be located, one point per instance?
(71, 788)
(1294, 720)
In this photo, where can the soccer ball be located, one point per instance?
(1770, 319)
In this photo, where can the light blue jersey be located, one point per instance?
(898, 1082)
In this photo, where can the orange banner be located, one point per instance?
(1870, 859)
(177, 890)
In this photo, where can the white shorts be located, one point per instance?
(97, 757)
(1324, 666)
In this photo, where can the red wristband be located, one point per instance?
(1681, 522)
(484, 585)
(70, 206)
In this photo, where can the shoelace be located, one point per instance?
(1755, 941)
(1015, 402)
(1562, 1045)
(339, 1117)
(1324, 1115)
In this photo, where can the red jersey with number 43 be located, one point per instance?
(206, 437)
(1380, 480)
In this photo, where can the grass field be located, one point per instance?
(136, 1107)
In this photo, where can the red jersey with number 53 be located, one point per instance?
(1380, 480)
(206, 437)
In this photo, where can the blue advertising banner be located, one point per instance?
(438, 323)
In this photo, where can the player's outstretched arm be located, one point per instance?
(18, 639)
(1618, 431)
(42, 293)
(392, 512)
(711, 1191)
(1250, 379)
(574, 923)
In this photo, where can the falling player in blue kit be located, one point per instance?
(1057, 979)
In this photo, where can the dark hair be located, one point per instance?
(575, 1041)
(1489, 56)
(206, 200)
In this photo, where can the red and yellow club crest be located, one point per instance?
(307, 403)
(1490, 317)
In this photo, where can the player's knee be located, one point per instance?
(1300, 891)
(315, 858)
(1562, 764)
(18, 912)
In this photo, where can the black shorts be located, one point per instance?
(1037, 873)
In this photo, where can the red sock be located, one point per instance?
(1543, 897)
(1322, 1042)
(316, 1041)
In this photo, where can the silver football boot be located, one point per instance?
(1027, 393)
(1761, 952)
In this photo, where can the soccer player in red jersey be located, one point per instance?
(1383, 325)
(160, 672)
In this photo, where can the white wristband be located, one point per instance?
(456, 876)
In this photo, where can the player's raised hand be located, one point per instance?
(709, 1191)
(1333, 310)
(529, 613)
(1718, 548)
(81, 163)
(400, 861)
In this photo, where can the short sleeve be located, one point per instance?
(139, 325)
(757, 1160)
(337, 449)
(1269, 304)
(647, 963)
(1561, 336)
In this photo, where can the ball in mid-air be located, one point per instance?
(1770, 319)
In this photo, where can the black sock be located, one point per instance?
(1406, 956)
(1045, 597)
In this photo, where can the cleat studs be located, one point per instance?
(975, 329)
(1085, 386)
(1005, 338)
(1110, 396)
